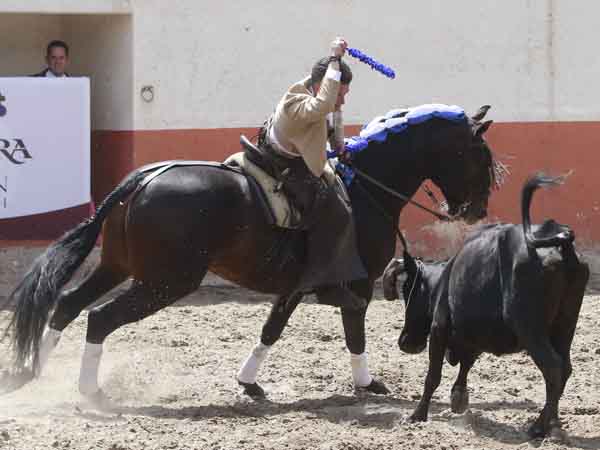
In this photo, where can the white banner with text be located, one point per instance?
(44, 145)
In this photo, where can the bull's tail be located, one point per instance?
(37, 293)
(551, 233)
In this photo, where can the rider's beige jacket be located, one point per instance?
(300, 120)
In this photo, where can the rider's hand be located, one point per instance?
(338, 47)
(344, 156)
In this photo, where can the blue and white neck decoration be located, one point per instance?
(395, 121)
(375, 65)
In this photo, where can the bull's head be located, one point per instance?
(417, 290)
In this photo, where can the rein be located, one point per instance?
(414, 283)
(360, 173)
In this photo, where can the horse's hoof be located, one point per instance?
(536, 431)
(418, 416)
(252, 390)
(543, 427)
(459, 400)
(376, 387)
(539, 429)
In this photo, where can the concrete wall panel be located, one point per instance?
(102, 46)
(66, 6)
(227, 65)
(24, 38)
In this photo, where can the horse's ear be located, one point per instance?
(480, 128)
(481, 112)
(390, 276)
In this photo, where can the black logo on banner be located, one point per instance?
(3, 190)
(2, 107)
(14, 150)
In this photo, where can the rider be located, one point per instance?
(294, 139)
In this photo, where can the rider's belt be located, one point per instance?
(278, 148)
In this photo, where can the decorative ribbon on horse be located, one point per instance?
(375, 65)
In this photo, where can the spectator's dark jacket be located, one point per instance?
(43, 73)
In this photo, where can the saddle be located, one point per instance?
(258, 157)
(255, 163)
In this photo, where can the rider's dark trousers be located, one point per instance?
(332, 253)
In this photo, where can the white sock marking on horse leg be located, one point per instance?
(49, 341)
(249, 370)
(90, 363)
(360, 370)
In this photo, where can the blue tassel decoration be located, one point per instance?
(375, 65)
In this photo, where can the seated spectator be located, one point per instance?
(57, 58)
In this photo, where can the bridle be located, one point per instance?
(441, 216)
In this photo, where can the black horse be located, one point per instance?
(166, 228)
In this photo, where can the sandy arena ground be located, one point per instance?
(172, 377)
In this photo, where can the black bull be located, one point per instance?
(192, 219)
(509, 288)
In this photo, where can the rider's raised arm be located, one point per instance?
(305, 107)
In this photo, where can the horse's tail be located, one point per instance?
(37, 293)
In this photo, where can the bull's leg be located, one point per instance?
(278, 318)
(354, 331)
(459, 395)
(437, 347)
(72, 302)
(563, 329)
(562, 337)
(138, 302)
(551, 365)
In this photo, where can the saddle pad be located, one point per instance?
(278, 202)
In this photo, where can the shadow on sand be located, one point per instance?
(368, 410)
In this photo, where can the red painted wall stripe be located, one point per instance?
(555, 147)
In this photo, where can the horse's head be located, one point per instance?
(466, 170)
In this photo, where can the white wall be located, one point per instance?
(577, 35)
(226, 64)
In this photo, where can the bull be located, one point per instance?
(509, 288)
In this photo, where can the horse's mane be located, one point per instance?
(498, 170)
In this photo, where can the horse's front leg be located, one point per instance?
(278, 318)
(354, 330)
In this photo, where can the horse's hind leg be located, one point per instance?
(72, 302)
(278, 318)
(139, 301)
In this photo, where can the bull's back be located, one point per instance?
(476, 300)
